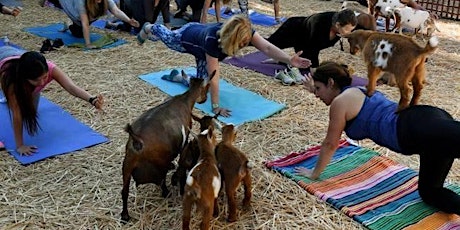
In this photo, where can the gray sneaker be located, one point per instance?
(284, 77)
(295, 74)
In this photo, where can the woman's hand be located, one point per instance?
(27, 150)
(97, 101)
(222, 111)
(302, 171)
(307, 81)
(299, 62)
(133, 22)
(90, 46)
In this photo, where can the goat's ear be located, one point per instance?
(194, 117)
(213, 74)
(218, 125)
(210, 132)
(184, 74)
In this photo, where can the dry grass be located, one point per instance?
(81, 190)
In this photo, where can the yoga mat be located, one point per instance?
(246, 106)
(253, 61)
(10, 44)
(51, 31)
(60, 133)
(11, 3)
(255, 17)
(174, 22)
(374, 190)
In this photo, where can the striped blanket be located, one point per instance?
(372, 189)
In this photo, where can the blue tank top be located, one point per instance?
(377, 121)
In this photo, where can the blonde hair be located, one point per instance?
(95, 10)
(235, 34)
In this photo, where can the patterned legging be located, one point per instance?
(172, 39)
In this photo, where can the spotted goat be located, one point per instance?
(397, 54)
(203, 182)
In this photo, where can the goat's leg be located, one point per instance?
(128, 167)
(387, 24)
(164, 188)
(186, 210)
(207, 215)
(247, 191)
(216, 209)
(417, 82)
(372, 75)
(230, 190)
(404, 90)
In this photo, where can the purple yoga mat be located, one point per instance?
(253, 61)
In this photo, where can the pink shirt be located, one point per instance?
(49, 76)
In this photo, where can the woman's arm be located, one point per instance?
(337, 121)
(276, 53)
(212, 64)
(122, 16)
(67, 83)
(85, 27)
(18, 127)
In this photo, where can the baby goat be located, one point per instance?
(394, 53)
(156, 138)
(189, 157)
(203, 182)
(420, 20)
(235, 168)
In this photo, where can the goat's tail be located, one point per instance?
(431, 46)
(138, 144)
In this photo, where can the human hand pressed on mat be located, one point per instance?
(27, 150)
(302, 171)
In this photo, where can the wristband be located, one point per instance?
(215, 105)
(92, 100)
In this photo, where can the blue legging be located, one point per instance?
(172, 39)
(433, 134)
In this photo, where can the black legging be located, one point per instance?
(433, 134)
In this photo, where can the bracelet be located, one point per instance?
(215, 106)
(92, 100)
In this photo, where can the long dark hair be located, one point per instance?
(338, 72)
(15, 75)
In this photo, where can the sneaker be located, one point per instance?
(284, 77)
(295, 74)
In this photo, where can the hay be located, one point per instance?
(82, 190)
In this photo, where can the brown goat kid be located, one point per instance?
(235, 169)
(203, 183)
(396, 54)
(157, 137)
(189, 156)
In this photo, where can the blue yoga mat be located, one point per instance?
(174, 22)
(255, 17)
(11, 3)
(10, 44)
(60, 133)
(51, 31)
(246, 106)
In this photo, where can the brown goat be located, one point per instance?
(365, 21)
(157, 137)
(235, 169)
(397, 54)
(189, 156)
(203, 183)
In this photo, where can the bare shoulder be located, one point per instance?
(349, 102)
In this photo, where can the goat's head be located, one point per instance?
(357, 39)
(205, 121)
(202, 84)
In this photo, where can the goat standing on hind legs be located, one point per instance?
(203, 182)
(157, 137)
(396, 54)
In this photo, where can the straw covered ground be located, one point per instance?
(81, 190)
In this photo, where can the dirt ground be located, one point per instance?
(82, 190)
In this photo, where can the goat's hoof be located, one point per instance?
(231, 219)
(124, 217)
